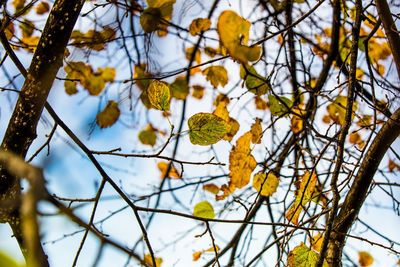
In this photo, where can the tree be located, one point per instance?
(271, 115)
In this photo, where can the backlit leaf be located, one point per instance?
(365, 259)
(159, 95)
(392, 165)
(233, 31)
(260, 103)
(198, 25)
(163, 166)
(189, 54)
(316, 242)
(42, 8)
(18, 4)
(179, 88)
(27, 27)
(206, 128)
(149, 261)
(143, 77)
(148, 136)
(255, 83)
(109, 115)
(198, 91)
(212, 188)
(108, 74)
(337, 109)
(256, 132)
(216, 75)
(303, 196)
(241, 162)
(233, 128)
(204, 210)
(296, 120)
(70, 86)
(302, 256)
(150, 18)
(267, 185)
(279, 106)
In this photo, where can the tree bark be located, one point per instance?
(21, 130)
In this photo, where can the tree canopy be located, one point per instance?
(200, 133)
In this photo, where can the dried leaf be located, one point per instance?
(260, 103)
(241, 162)
(42, 8)
(198, 91)
(109, 115)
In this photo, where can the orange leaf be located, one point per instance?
(365, 259)
(198, 25)
(173, 172)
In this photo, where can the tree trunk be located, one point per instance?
(21, 130)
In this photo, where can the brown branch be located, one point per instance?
(391, 31)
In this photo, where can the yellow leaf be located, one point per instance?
(27, 27)
(108, 74)
(212, 188)
(241, 162)
(211, 52)
(226, 191)
(166, 8)
(9, 31)
(150, 19)
(256, 132)
(316, 242)
(302, 256)
(221, 111)
(148, 136)
(149, 261)
(143, 77)
(109, 115)
(159, 95)
(365, 259)
(365, 121)
(179, 88)
(197, 255)
(392, 166)
(204, 210)
(337, 109)
(94, 83)
(303, 196)
(189, 54)
(233, 128)
(233, 31)
(221, 98)
(355, 138)
(42, 8)
(173, 172)
(30, 43)
(260, 103)
(70, 86)
(18, 4)
(198, 25)
(198, 91)
(297, 121)
(206, 128)
(267, 185)
(216, 75)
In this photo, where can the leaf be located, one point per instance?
(233, 128)
(204, 210)
(148, 136)
(279, 106)
(267, 186)
(166, 8)
(198, 91)
(30, 43)
(7, 261)
(42, 8)
(9, 31)
(143, 77)
(256, 132)
(70, 86)
(212, 188)
(150, 19)
(365, 259)
(173, 172)
(216, 75)
(392, 165)
(27, 27)
(149, 261)
(93, 39)
(255, 83)
(198, 25)
(159, 95)
(233, 31)
(316, 242)
(109, 115)
(337, 109)
(211, 52)
(179, 88)
(302, 256)
(94, 83)
(241, 162)
(108, 74)
(206, 128)
(296, 120)
(303, 195)
(260, 103)
(189, 54)
(18, 4)
(197, 255)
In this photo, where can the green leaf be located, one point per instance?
(150, 19)
(148, 136)
(204, 210)
(109, 115)
(302, 256)
(159, 95)
(276, 106)
(255, 83)
(206, 128)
